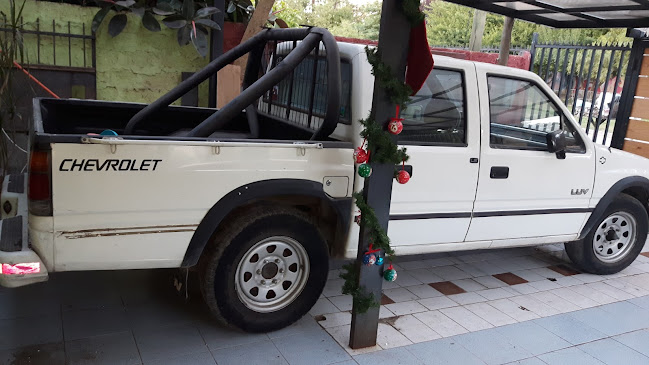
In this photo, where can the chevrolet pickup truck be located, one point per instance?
(256, 196)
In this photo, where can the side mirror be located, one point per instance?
(557, 143)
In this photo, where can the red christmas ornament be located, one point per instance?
(360, 155)
(395, 126)
(403, 176)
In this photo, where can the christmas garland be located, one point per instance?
(384, 151)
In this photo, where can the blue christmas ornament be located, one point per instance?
(379, 261)
(108, 132)
(369, 259)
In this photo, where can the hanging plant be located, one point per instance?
(189, 18)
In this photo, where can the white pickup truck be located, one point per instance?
(258, 201)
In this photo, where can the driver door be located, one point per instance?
(525, 194)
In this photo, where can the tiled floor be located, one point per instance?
(524, 306)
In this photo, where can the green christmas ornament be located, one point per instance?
(390, 274)
(365, 170)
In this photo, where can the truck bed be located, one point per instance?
(80, 117)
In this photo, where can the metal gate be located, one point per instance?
(589, 80)
(61, 55)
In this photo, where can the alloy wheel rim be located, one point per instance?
(614, 237)
(272, 274)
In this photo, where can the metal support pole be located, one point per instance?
(393, 47)
(216, 48)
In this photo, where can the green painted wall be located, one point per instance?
(137, 65)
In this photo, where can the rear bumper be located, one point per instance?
(19, 264)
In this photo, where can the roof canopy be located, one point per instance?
(570, 13)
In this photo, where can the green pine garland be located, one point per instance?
(384, 151)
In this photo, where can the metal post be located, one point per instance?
(628, 92)
(393, 47)
(216, 49)
(535, 40)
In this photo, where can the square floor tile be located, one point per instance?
(570, 329)
(385, 313)
(471, 269)
(437, 303)
(402, 308)
(217, 337)
(196, 358)
(510, 279)
(388, 337)
(554, 301)
(490, 314)
(444, 352)
(545, 285)
(310, 348)
(394, 356)
(336, 319)
(488, 267)
(496, 293)
(385, 299)
(342, 302)
(565, 281)
(532, 337)
(263, 352)
(415, 330)
(569, 356)
(322, 306)
(406, 278)
(490, 282)
(469, 285)
(447, 288)
(518, 312)
(564, 269)
(540, 308)
(413, 265)
(94, 322)
(423, 276)
(528, 275)
(638, 340)
(116, 348)
(467, 298)
(28, 331)
(641, 302)
(442, 261)
(615, 293)
(594, 294)
(624, 286)
(450, 273)
(151, 316)
(466, 318)
(333, 288)
(572, 296)
(424, 291)
(491, 347)
(42, 354)
(400, 295)
(159, 344)
(304, 325)
(612, 352)
(525, 288)
(530, 361)
(440, 323)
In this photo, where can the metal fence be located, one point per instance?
(56, 45)
(588, 79)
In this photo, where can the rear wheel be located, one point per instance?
(266, 271)
(616, 240)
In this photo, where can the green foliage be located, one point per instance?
(11, 46)
(362, 300)
(380, 143)
(398, 92)
(450, 25)
(376, 234)
(191, 19)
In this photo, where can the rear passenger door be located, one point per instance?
(442, 135)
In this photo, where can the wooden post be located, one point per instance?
(258, 19)
(393, 47)
(477, 30)
(506, 41)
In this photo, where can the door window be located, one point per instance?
(436, 114)
(521, 115)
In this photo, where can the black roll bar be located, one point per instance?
(310, 39)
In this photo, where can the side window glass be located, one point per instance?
(436, 114)
(521, 115)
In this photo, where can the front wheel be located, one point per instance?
(616, 240)
(266, 271)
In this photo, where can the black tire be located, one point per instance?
(582, 252)
(219, 263)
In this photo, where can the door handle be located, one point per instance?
(499, 172)
(398, 168)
